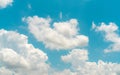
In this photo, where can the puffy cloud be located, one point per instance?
(7, 54)
(81, 66)
(60, 35)
(110, 35)
(5, 3)
(76, 56)
(4, 71)
(18, 57)
(64, 72)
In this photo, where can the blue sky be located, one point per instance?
(84, 11)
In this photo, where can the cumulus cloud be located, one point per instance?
(81, 66)
(18, 57)
(111, 35)
(60, 35)
(75, 56)
(5, 3)
(64, 72)
(4, 71)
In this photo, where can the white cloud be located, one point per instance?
(110, 35)
(76, 56)
(4, 71)
(81, 66)
(63, 35)
(5, 3)
(18, 57)
(64, 72)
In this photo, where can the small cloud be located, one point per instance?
(5, 3)
(93, 25)
(29, 6)
(60, 15)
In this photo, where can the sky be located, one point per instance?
(59, 37)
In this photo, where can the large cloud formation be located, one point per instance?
(78, 58)
(60, 35)
(111, 35)
(5, 3)
(18, 57)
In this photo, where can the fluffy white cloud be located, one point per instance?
(81, 66)
(76, 57)
(18, 57)
(63, 35)
(64, 72)
(110, 35)
(5, 3)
